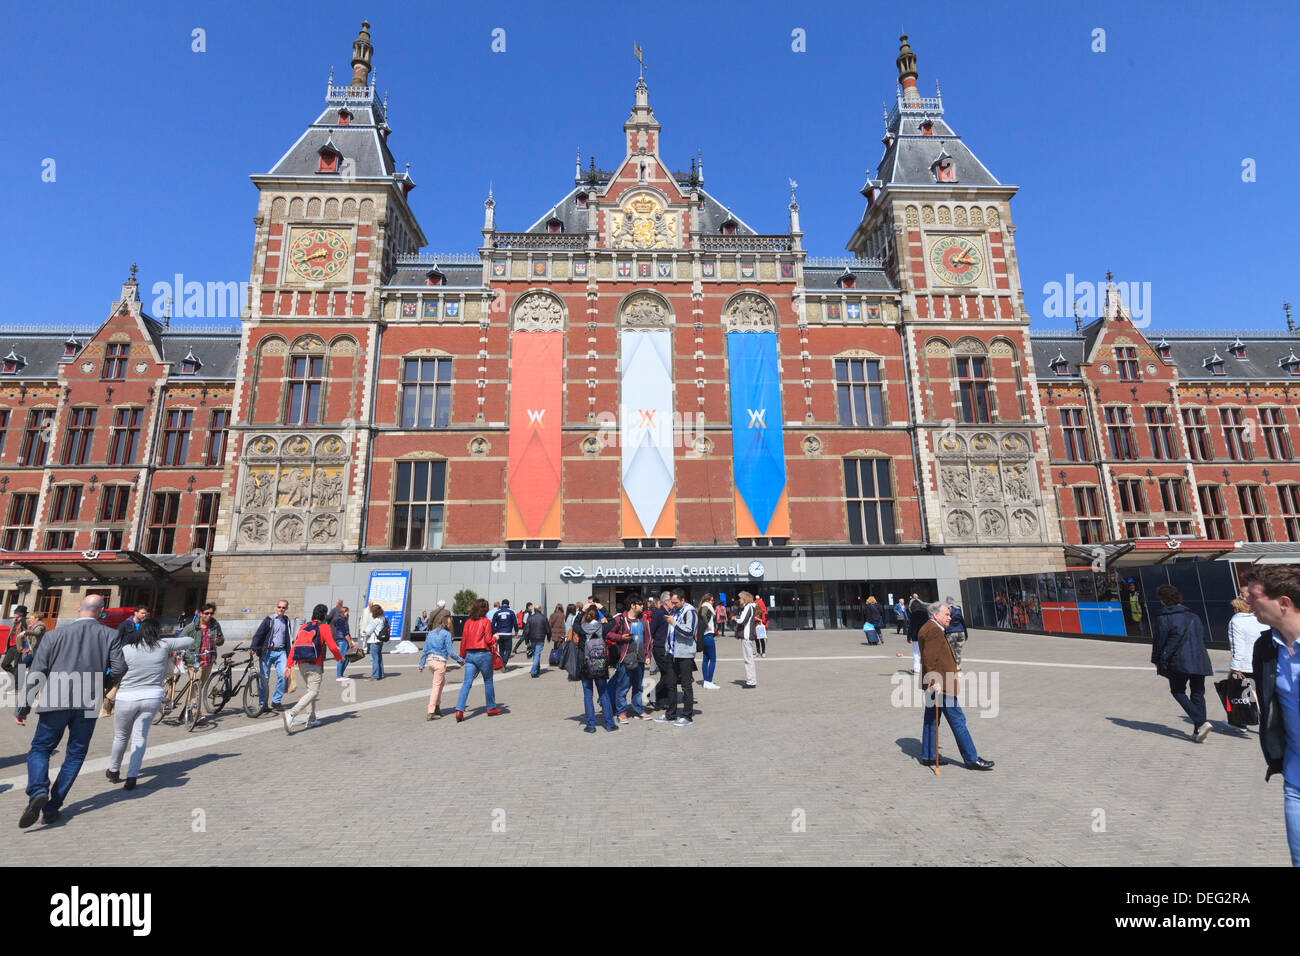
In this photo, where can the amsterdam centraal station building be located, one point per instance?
(626, 391)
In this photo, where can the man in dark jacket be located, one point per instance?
(1178, 651)
(504, 625)
(271, 643)
(667, 683)
(1273, 593)
(536, 630)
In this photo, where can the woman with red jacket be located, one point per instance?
(309, 652)
(477, 644)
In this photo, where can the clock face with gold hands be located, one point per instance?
(955, 260)
(318, 254)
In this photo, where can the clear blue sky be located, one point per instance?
(1129, 160)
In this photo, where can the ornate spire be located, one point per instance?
(1290, 324)
(794, 203)
(361, 52)
(906, 63)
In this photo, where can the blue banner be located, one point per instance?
(389, 589)
(757, 442)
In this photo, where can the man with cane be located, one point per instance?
(939, 667)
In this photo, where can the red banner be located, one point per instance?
(536, 397)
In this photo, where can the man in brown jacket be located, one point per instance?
(939, 680)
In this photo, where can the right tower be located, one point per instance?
(941, 224)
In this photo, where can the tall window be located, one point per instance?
(1126, 361)
(1216, 520)
(1130, 496)
(869, 495)
(1251, 499)
(59, 540)
(36, 438)
(426, 393)
(1290, 495)
(19, 521)
(115, 357)
(1234, 434)
(1076, 434)
(81, 431)
(973, 385)
(205, 520)
(216, 449)
(4, 430)
(1171, 494)
(176, 440)
(67, 503)
(1088, 509)
(113, 502)
(1160, 429)
(305, 373)
(418, 508)
(162, 522)
(858, 392)
(1197, 434)
(124, 442)
(1273, 426)
(1120, 431)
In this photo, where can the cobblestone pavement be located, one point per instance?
(816, 766)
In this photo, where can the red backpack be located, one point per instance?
(314, 650)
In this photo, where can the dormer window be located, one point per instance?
(944, 169)
(927, 127)
(554, 225)
(434, 277)
(729, 227)
(580, 201)
(1237, 348)
(345, 117)
(1215, 364)
(190, 365)
(1291, 363)
(1060, 364)
(1164, 349)
(13, 362)
(71, 347)
(329, 158)
(847, 281)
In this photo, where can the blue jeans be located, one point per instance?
(1194, 708)
(377, 661)
(710, 658)
(618, 686)
(956, 720)
(537, 656)
(264, 664)
(477, 662)
(606, 705)
(1291, 807)
(343, 661)
(632, 677)
(49, 731)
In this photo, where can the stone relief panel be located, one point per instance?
(292, 492)
(988, 487)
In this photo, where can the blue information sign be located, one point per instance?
(390, 589)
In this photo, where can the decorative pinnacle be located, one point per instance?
(361, 53)
(1109, 276)
(1290, 324)
(489, 202)
(793, 186)
(134, 270)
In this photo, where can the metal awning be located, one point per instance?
(96, 567)
(1265, 552)
(1143, 552)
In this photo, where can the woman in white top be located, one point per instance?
(372, 637)
(745, 629)
(1243, 629)
(139, 695)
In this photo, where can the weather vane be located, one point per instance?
(640, 57)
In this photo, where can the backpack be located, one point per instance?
(595, 655)
(312, 652)
(385, 631)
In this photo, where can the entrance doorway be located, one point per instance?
(47, 607)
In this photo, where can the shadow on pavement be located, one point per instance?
(1163, 730)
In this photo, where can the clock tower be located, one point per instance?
(333, 217)
(940, 223)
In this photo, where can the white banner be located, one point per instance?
(645, 423)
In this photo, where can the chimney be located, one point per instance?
(907, 72)
(361, 51)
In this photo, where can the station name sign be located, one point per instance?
(666, 572)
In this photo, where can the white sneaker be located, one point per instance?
(709, 685)
(1203, 731)
(313, 723)
(341, 680)
(288, 719)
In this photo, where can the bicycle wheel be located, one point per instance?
(164, 708)
(254, 689)
(216, 693)
(191, 708)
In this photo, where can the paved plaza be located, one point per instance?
(815, 767)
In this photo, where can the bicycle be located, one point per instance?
(220, 687)
(187, 699)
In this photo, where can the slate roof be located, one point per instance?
(819, 278)
(908, 158)
(712, 216)
(1188, 350)
(458, 276)
(360, 141)
(43, 350)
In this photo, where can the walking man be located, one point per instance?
(536, 629)
(1178, 651)
(504, 625)
(940, 685)
(1273, 593)
(271, 642)
(66, 684)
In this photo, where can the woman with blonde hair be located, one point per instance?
(746, 625)
(1243, 629)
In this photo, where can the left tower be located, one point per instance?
(333, 215)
